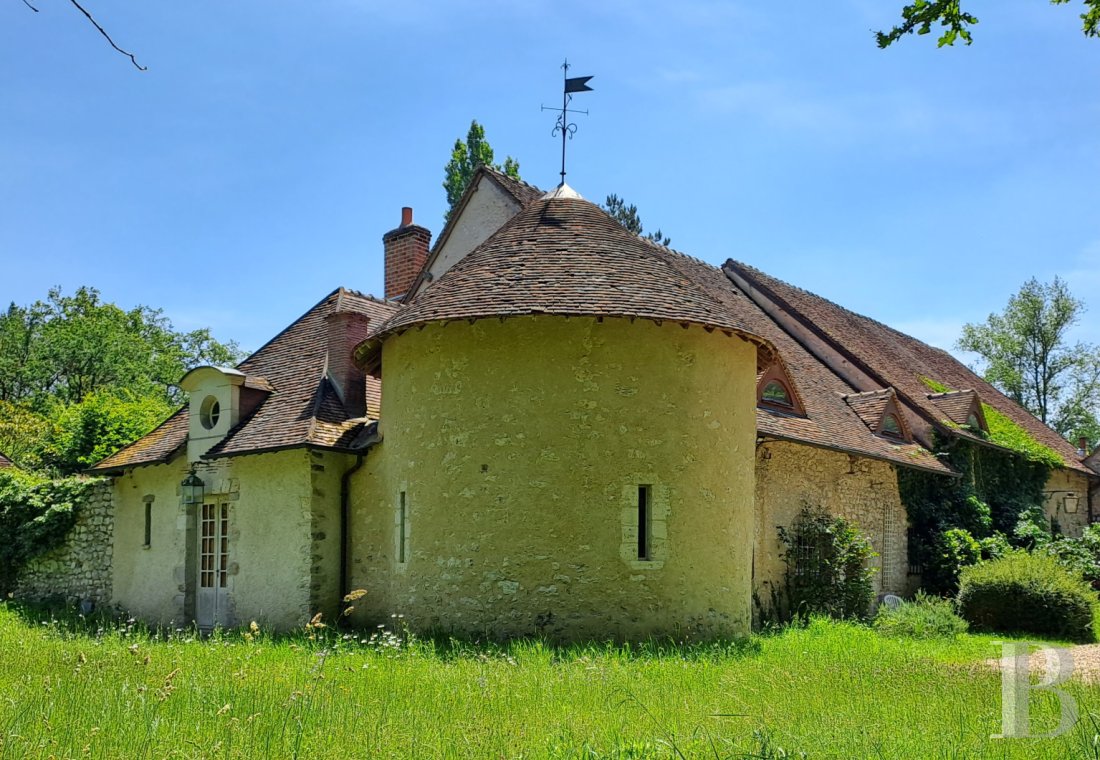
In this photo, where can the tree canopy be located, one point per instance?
(466, 157)
(80, 377)
(921, 15)
(627, 216)
(1028, 356)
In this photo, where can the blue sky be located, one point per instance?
(255, 166)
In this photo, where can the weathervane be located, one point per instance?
(567, 129)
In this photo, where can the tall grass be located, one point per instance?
(826, 690)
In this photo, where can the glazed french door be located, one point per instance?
(213, 565)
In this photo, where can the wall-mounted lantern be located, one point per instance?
(1070, 503)
(191, 489)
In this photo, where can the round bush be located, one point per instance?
(1027, 593)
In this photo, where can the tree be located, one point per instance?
(628, 217)
(921, 15)
(465, 159)
(80, 378)
(1028, 357)
(66, 347)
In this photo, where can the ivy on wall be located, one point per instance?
(35, 516)
(996, 488)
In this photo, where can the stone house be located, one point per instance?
(582, 434)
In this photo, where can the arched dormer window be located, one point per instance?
(880, 412)
(775, 391)
(890, 427)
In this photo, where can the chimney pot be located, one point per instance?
(1083, 445)
(406, 216)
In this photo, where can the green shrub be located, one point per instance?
(827, 570)
(1027, 593)
(952, 550)
(926, 617)
(35, 516)
(1080, 555)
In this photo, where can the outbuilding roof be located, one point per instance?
(302, 408)
(897, 360)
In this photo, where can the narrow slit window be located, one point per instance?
(401, 528)
(643, 521)
(148, 524)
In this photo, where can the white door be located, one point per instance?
(213, 564)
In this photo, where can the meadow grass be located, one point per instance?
(827, 690)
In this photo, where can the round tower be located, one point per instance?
(567, 441)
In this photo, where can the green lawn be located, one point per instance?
(829, 690)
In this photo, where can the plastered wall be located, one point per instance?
(283, 550)
(862, 491)
(520, 446)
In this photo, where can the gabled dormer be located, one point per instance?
(880, 412)
(775, 391)
(963, 408)
(220, 398)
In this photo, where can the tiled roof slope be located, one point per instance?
(5, 462)
(566, 256)
(899, 360)
(303, 410)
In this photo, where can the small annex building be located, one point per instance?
(548, 425)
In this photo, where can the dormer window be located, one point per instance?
(880, 412)
(210, 412)
(961, 409)
(220, 398)
(775, 391)
(890, 427)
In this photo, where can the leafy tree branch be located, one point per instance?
(922, 15)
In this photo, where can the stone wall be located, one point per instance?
(863, 491)
(79, 570)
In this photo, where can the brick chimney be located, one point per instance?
(406, 251)
(346, 330)
(1083, 446)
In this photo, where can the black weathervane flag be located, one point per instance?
(574, 84)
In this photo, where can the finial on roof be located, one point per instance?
(567, 129)
(562, 191)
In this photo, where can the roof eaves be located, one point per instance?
(944, 469)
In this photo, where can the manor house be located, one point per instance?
(546, 425)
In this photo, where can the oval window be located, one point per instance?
(891, 426)
(776, 393)
(973, 422)
(209, 412)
